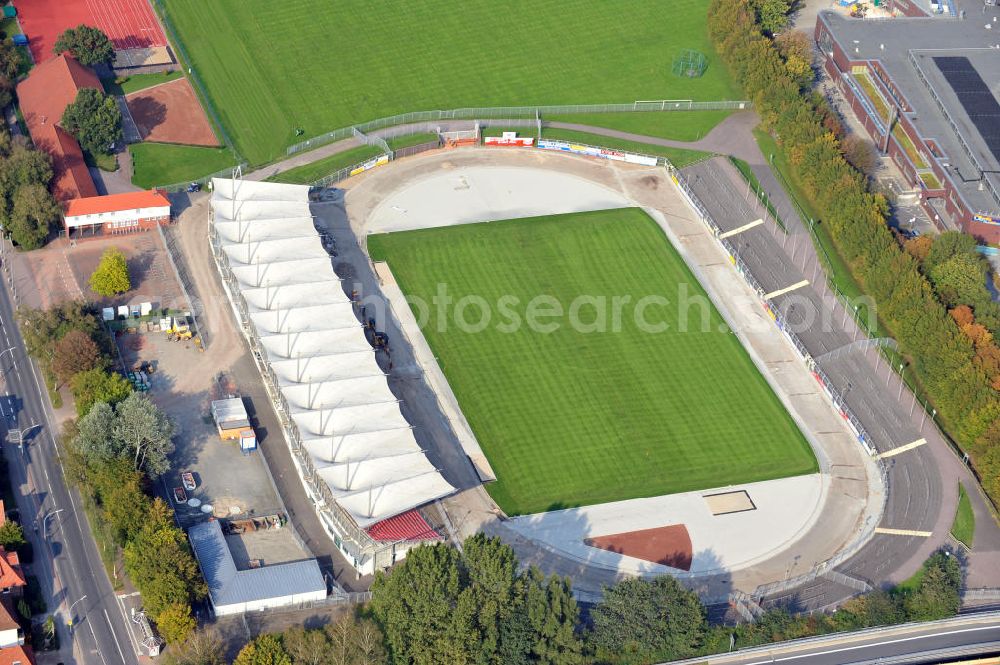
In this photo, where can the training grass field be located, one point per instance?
(273, 67)
(574, 417)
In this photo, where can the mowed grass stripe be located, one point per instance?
(318, 65)
(573, 418)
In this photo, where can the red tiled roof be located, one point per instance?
(17, 655)
(44, 95)
(116, 202)
(410, 525)
(7, 620)
(10, 570)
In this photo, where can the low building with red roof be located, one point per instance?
(43, 96)
(116, 213)
(12, 580)
(11, 633)
(17, 655)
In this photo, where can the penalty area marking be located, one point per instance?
(797, 285)
(902, 532)
(741, 229)
(901, 449)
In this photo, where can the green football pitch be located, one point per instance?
(575, 415)
(317, 65)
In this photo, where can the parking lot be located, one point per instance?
(183, 383)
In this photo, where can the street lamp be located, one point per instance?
(70, 612)
(17, 435)
(51, 513)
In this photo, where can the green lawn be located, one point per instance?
(679, 157)
(271, 68)
(310, 173)
(8, 28)
(964, 526)
(412, 139)
(574, 416)
(161, 164)
(136, 82)
(676, 125)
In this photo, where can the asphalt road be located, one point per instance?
(66, 560)
(914, 643)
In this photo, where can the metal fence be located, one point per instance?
(182, 186)
(512, 112)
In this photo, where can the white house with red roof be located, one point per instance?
(115, 214)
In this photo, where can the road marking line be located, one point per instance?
(797, 285)
(903, 532)
(114, 634)
(867, 645)
(901, 449)
(741, 229)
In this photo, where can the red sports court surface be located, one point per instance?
(666, 545)
(129, 23)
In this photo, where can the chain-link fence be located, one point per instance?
(665, 105)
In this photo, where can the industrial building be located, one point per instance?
(921, 86)
(355, 452)
(233, 591)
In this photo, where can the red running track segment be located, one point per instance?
(128, 23)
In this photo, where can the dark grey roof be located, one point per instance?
(229, 586)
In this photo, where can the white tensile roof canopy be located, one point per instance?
(350, 422)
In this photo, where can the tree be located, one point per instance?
(25, 166)
(10, 59)
(772, 14)
(859, 152)
(308, 647)
(40, 328)
(33, 214)
(95, 121)
(202, 647)
(94, 436)
(97, 385)
(475, 607)
(349, 642)
(11, 535)
(176, 623)
(146, 431)
(639, 620)
(938, 596)
(76, 352)
(160, 564)
(265, 650)
(111, 276)
(960, 279)
(88, 45)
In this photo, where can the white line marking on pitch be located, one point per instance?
(901, 449)
(741, 229)
(903, 532)
(797, 285)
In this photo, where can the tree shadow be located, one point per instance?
(147, 112)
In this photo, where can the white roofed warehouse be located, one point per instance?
(355, 451)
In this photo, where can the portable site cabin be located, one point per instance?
(232, 421)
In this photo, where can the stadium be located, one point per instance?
(690, 440)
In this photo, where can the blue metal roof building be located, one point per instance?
(233, 591)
